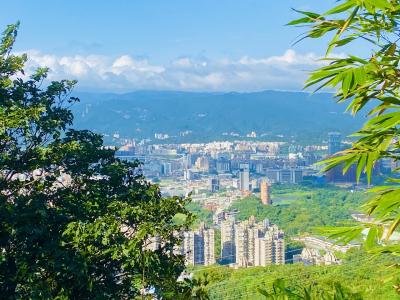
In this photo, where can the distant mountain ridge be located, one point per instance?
(209, 116)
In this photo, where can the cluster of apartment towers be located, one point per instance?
(243, 244)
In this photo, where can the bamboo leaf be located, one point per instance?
(393, 227)
(340, 8)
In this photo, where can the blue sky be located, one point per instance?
(211, 45)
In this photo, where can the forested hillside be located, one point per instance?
(299, 209)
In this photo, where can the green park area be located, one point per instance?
(298, 209)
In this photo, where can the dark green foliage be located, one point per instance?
(84, 237)
(195, 288)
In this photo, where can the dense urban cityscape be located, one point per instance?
(217, 174)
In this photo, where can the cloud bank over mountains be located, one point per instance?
(287, 72)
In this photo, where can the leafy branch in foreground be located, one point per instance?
(367, 83)
(75, 222)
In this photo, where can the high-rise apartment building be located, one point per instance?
(255, 244)
(193, 248)
(228, 250)
(209, 247)
(198, 246)
(264, 250)
(253, 233)
(242, 244)
(279, 251)
(265, 193)
(188, 247)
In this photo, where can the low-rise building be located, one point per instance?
(311, 256)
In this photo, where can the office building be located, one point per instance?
(334, 142)
(272, 175)
(285, 175)
(187, 161)
(297, 176)
(259, 168)
(202, 164)
(244, 178)
(223, 166)
(166, 169)
(188, 175)
(214, 185)
(290, 176)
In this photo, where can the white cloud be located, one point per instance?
(287, 71)
(126, 64)
(290, 57)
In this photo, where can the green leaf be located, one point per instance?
(372, 238)
(341, 234)
(303, 20)
(309, 14)
(393, 227)
(341, 8)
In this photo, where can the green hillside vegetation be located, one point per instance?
(298, 209)
(202, 215)
(370, 280)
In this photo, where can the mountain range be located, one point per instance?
(193, 117)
